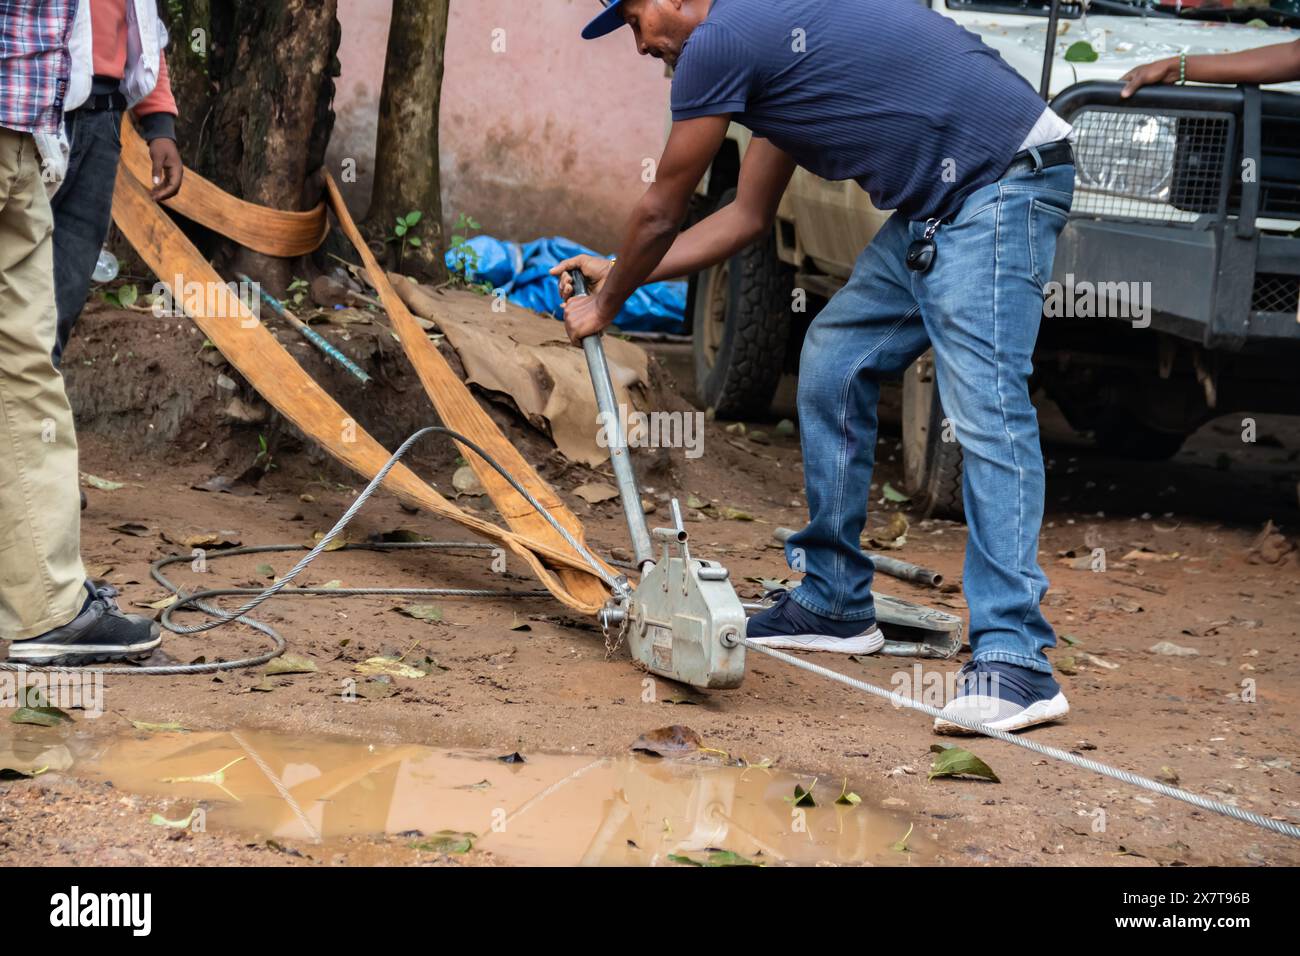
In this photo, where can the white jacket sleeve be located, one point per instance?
(55, 150)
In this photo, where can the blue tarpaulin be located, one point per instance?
(523, 273)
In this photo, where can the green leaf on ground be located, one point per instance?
(216, 778)
(159, 820)
(40, 716)
(422, 612)
(1081, 51)
(957, 761)
(169, 727)
(715, 858)
(893, 494)
(901, 845)
(9, 773)
(802, 797)
(447, 841)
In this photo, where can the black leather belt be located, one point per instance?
(921, 253)
(100, 102)
(1058, 153)
(110, 99)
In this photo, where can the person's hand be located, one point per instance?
(593, 268)
(167, 168)
(583, 316)
(1161, 71)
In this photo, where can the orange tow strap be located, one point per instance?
(277, 376)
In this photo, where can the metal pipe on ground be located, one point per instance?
(903, 570)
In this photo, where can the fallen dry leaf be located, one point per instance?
(667, 741)
(890, 537)
(466, 482)
(1269, 547)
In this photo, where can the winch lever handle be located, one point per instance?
(607, 405)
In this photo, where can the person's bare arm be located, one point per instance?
(1279, 63)
(764, 174)
(652, 226)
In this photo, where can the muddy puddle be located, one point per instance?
(552, 809)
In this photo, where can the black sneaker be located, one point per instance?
(788, 625)
(101, 632)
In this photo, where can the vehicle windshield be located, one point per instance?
(1270, 12)
(1069, 9)
(1266, 12)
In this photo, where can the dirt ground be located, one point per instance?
(1180, 568)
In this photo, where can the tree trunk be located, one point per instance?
(272, 66)
(406, 154)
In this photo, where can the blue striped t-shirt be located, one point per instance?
(916, 109)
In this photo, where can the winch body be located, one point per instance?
(685, 622)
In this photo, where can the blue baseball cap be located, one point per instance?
(610, 19)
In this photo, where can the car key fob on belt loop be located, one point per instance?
(921, 253)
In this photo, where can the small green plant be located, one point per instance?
(264, 455)
(402, 234)
(124, 296)
(464, 258)
(297, 292)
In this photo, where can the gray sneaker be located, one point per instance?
(1003, 696)
(101, 632)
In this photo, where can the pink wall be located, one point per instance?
(547, 137)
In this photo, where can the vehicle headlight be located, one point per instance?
(1126, 153)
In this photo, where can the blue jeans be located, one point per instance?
(83, 211)
(979, 306)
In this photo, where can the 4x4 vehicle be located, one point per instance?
(1185, 232)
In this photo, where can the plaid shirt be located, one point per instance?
(34, 63)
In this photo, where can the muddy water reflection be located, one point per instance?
(553, 809)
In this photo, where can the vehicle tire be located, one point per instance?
(740, 328)
(932, 467)
(1125, 437)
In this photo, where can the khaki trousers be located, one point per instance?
(41, 575)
